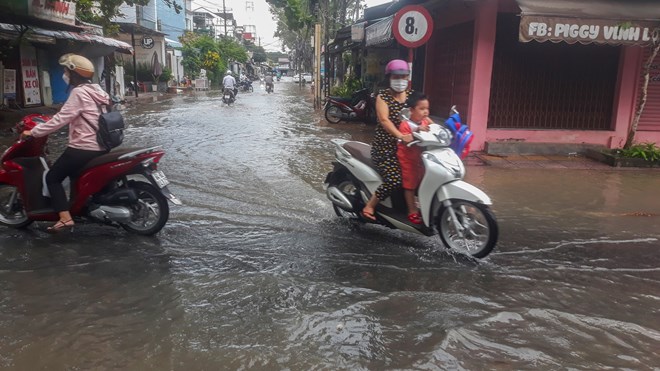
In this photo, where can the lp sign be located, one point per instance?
(413, 26)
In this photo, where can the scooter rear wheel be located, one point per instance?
(12, 212)
(150, 213)
(480, 228)
(349, 189)
(333, 114)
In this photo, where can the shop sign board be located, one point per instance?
(148, 42)
(59, 11)
(30, 76)
(357, 32)
(9, 78)
(585, 31)
(379, 32)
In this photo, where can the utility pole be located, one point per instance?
(224, 16)
(135, 81)
(317, 66)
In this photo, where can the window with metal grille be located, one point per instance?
(650, 120)
(550, 86)
(449, 68)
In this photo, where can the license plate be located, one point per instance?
(160, 178)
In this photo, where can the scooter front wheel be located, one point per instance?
(151, 211)
(468, 227)
(12, 212)
(333, 114)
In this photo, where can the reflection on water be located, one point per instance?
(254, 271)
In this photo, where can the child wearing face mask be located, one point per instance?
(412, 169)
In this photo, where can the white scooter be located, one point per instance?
(456, 210)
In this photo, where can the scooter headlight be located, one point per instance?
(448, 160)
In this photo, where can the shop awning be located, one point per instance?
(40, 35)
(613, 22)
(379, 32)
(173, 44)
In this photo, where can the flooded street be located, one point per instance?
(256, 272)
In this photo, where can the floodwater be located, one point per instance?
(256, 272)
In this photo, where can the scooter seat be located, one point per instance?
(341, 99)
(361, 151)
(108, 157)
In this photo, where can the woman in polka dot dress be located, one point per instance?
(384, 147)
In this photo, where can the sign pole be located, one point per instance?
(410, 65)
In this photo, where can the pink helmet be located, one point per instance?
(397, 67)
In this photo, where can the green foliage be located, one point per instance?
(231, 50)
(167, 75)
(143, 72)
(351, 85)
(201, 51)
(273, 56)
(295, 13)
(258, 52)
(647, 151)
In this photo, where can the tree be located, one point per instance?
(258, 52)
(201, 51)
(102, 12)
(294, 25)
(297, 17)
(655, 47)
(232, 51)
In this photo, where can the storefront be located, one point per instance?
(532, 71)
(30, 49)
(150, 45)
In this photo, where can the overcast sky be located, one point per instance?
(260, 17)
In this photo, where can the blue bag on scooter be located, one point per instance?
(461, 135)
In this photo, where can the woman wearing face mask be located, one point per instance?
(81, 111)
(389, 103)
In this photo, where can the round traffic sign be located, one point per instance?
(413, 26)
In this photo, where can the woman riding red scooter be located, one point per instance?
(81, 112)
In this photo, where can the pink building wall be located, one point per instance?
(484, 14)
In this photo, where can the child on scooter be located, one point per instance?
(412, 169)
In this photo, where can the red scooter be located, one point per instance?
(102, 192)
(360, 107)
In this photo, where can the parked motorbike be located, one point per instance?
(246, 85)
(229, 96)
(360, 107)
(456, 210)
(102, 193)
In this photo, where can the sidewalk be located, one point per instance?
(10, 116)
(515, 161)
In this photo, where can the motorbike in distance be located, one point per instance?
(229, 95)
(246, 85)
(105, 191)
(456, 210)
(360, 107)
(269, 87)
